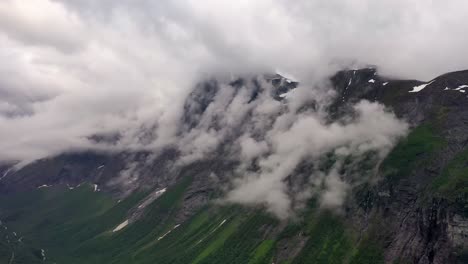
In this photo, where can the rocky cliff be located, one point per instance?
(411, 209)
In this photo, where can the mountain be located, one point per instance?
(145, 207)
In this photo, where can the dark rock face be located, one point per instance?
(413, 229)
(69, 169)
(197, 103)
(105, 170)
(418, 231)
(418, 234)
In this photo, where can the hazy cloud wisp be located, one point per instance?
(71, 69)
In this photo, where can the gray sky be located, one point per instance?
(70, 68)
(73, 68)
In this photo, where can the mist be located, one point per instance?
(73, 69)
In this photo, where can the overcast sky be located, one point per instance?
(70, 69)
(73, 68)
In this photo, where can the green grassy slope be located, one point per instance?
(75, 226)
(415, 150)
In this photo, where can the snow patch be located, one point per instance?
(222, 223)
(459, 88)
(371, 81)
(121, 226)
(168, 232)
(385, 83)
(100, 167)
(96, 189)
(43, 186)
(214, 230)
(287, 94)
(152, 197)
(161, 191)
(289, 78)
(5, 174)
(43, 255)
(419, 87)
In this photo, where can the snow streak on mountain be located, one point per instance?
(198, 77)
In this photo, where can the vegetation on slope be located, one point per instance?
(75, 226)
(413, 151)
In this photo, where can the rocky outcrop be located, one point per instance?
(457, 230)
(417, 227)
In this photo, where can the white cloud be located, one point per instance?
(308, 137)
(42, 23)
(73, 68)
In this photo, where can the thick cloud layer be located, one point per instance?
(272, 136)
(71, 69)
(307, 138)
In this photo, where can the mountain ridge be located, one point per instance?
(415, 213)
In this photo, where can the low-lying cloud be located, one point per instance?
(308, 138)
(272, 137)
(72, 69)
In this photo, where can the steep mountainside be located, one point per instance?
(138, 207)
